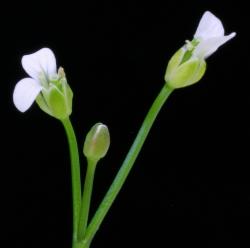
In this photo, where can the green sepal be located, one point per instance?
(40, 100)
(173, 63)
(187, 73)
(68, 93)
(56, 102)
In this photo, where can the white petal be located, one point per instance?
(42, 61)
(25, 93)
(205, 48)
(210, 26)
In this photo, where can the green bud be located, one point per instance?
(56, 98)
(97, 142)
(183, 69)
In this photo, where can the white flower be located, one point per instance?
(210, 35)
(49, 88)
(187, 66)
(40, 66)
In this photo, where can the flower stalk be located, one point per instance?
(127, 164)
(86, 198)
(75, 176)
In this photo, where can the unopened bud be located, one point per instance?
(97, 142)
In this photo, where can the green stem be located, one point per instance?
(127, 164)
(86, 198)
(75, 174)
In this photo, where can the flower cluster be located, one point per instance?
(52, 93)
(49, 88)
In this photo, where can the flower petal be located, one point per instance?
(25, 93)
(210, 26)
(207, 47)
(42, 61)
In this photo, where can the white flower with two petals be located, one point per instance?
(40, 66)
(188, 65)
(45, 85)
(210, 34)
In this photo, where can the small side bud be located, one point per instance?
(97, 142)
(61, 73)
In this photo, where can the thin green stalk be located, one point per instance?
(75, 174)
(127, 165)
(86, 198)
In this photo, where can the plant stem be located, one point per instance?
(75, 175)
(127, 164)
(86, 198)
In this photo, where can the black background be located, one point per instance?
(190, 185)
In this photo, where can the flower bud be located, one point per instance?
(184, 69)
(97, 142)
